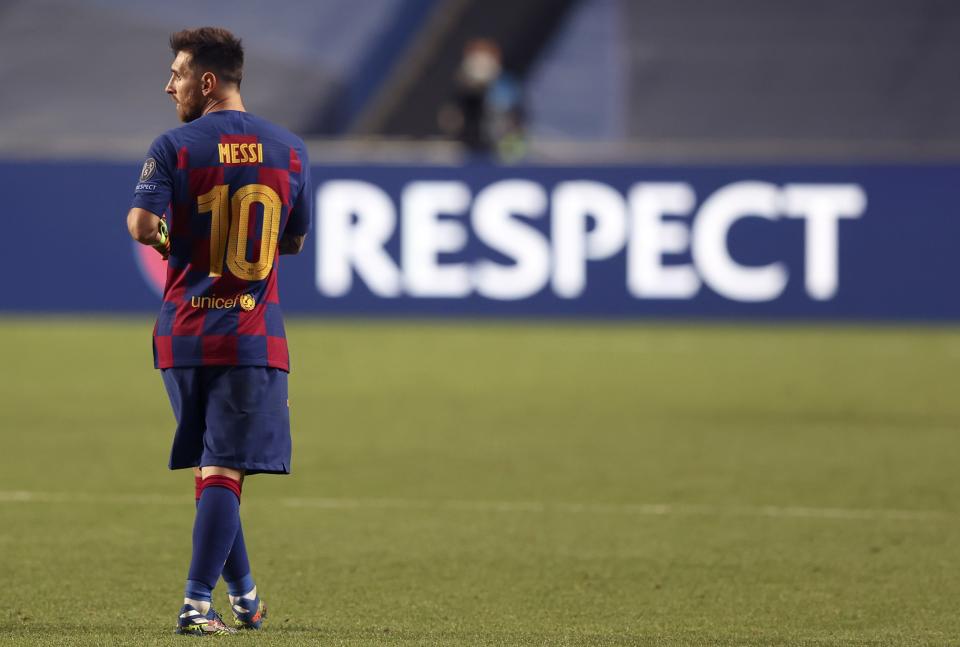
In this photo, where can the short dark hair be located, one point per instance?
(212, 49)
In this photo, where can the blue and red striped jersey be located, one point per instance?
(231, 184)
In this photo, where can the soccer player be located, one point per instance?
(220, 197)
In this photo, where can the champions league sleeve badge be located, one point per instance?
(149, 168)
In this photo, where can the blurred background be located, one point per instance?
(551, 157)
(598, 80)
(620, 322)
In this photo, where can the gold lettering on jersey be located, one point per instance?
(247, 153)
(245, 301)
(213, 303)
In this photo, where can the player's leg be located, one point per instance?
(248, 428)
(187, 392)
(196, 484)
(241, 587)
(236, 572)
(214, 531)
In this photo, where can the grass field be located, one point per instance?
(464, 484)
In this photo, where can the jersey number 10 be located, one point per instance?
(231, 218)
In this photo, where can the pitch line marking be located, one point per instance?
(644, 509)
(534, 507)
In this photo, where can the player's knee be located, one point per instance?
(213, 470)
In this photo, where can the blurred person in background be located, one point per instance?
(486, 112)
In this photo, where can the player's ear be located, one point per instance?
(208, 83)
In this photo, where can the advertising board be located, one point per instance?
(797, 242)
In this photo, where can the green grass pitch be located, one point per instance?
(506, 484)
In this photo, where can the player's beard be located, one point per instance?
(190, 108)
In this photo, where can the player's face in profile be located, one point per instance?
(184, 88)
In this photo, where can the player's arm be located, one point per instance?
(152, 196)
(144, 226)
(291, 242)
(147, 228)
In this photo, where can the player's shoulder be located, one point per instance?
(265, 127)
(185, 133)
(166, 138)
(172, 140)
(201, 136)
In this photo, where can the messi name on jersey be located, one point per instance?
(241, 153)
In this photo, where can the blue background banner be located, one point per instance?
(796, 242)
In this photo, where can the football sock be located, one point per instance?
(238, 602)
(197, 595)
(236, 572)
(214, 531)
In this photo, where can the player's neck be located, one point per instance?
(229, 102)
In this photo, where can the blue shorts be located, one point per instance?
(230, 416)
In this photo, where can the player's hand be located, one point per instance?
(163, 240)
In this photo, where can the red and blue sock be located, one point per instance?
(214, 533)
(236, 570)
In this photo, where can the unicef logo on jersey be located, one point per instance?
(245, 301)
